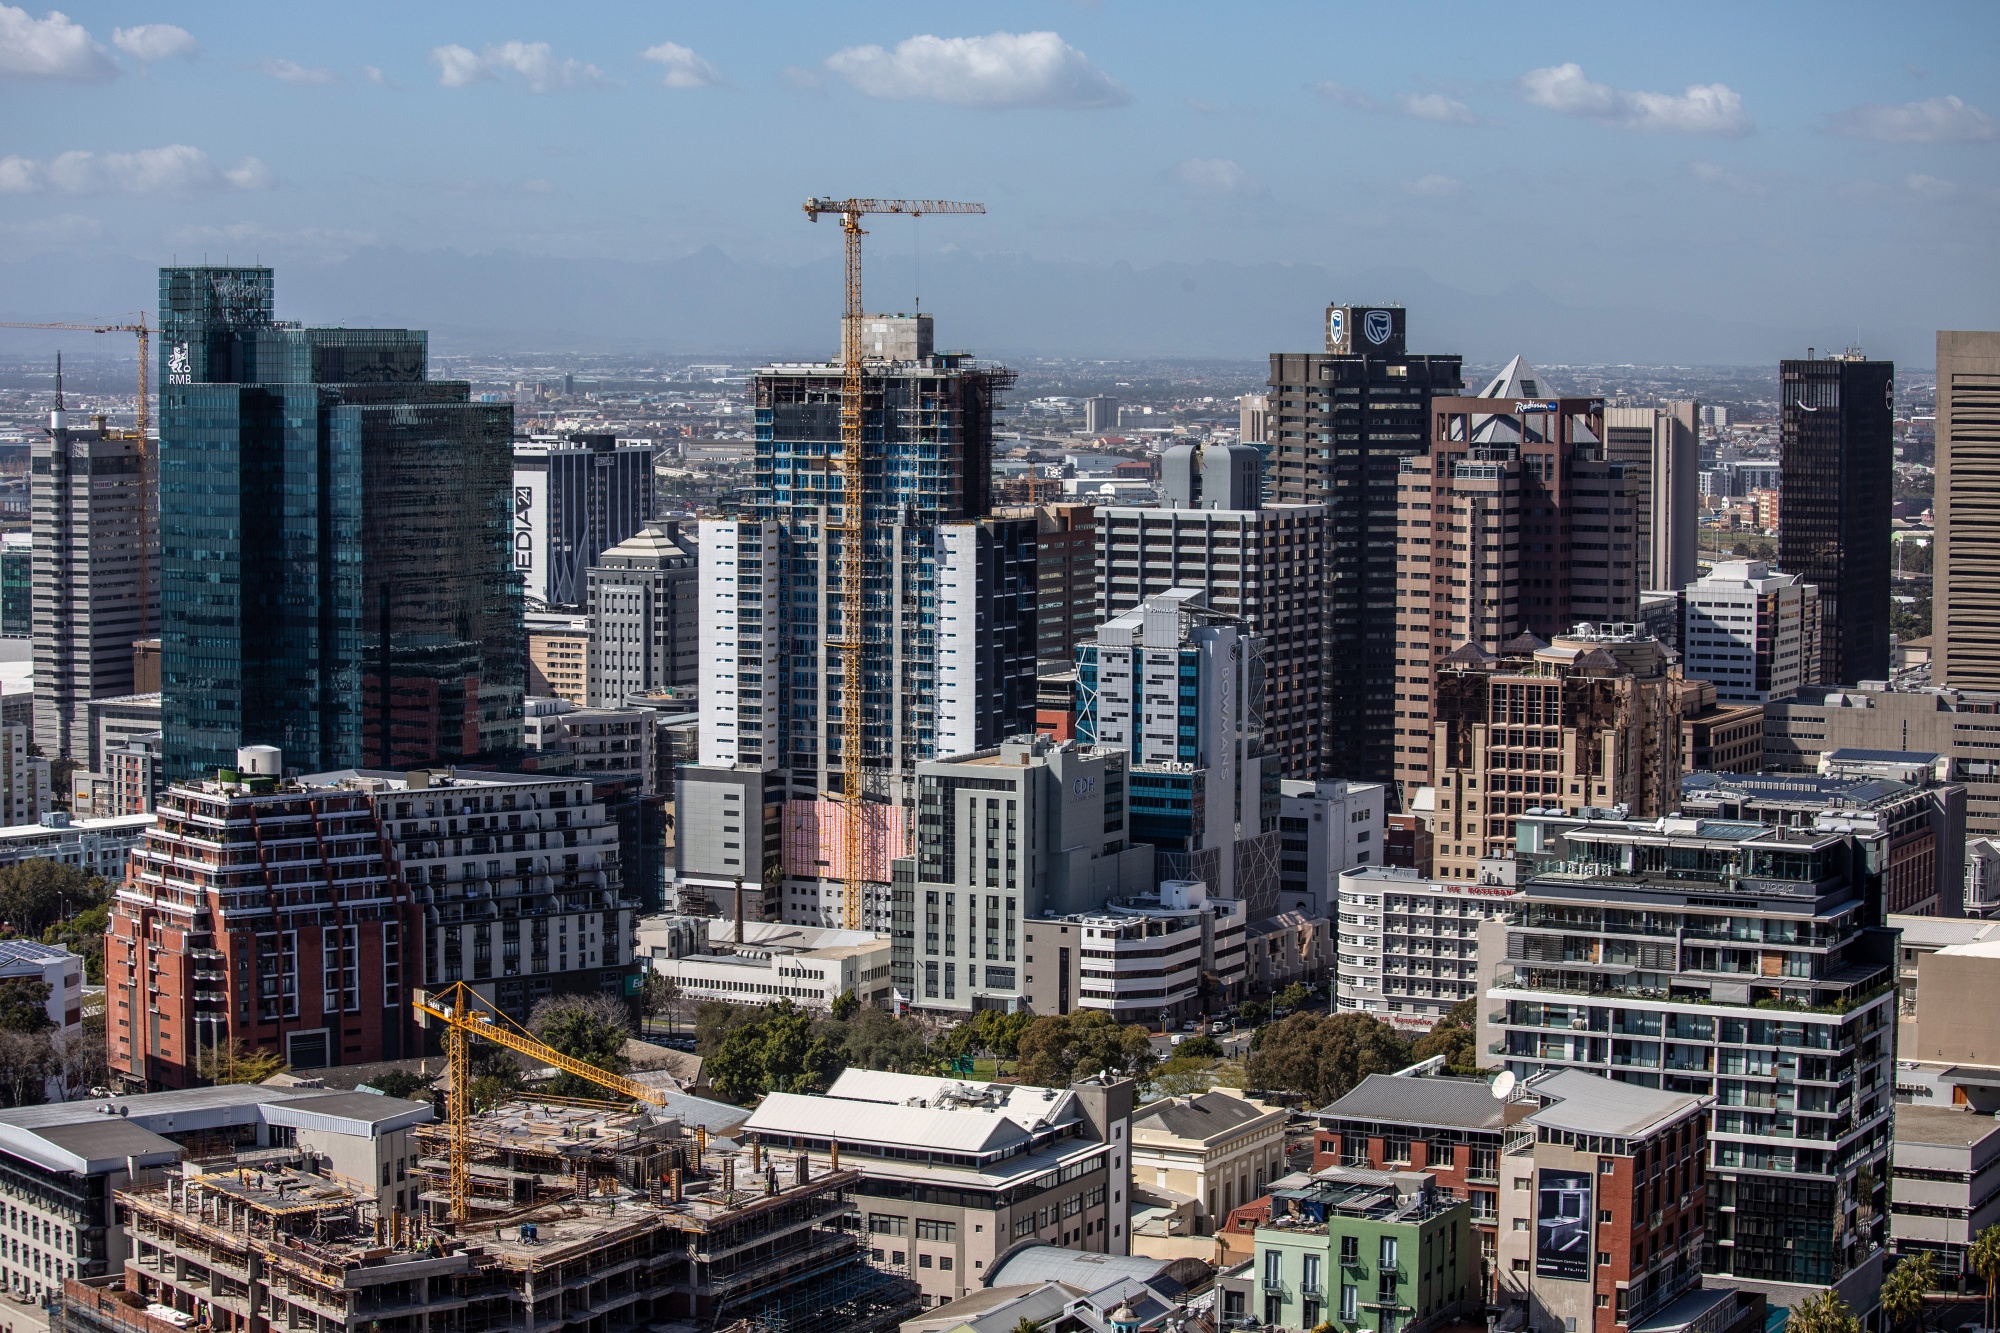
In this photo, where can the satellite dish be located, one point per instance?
(1502, 1086)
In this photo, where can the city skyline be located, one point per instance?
(1525, 166)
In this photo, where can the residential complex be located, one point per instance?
(1339, 424)
(1965, 567)
(1837, 457)
(574, 498)
(952, 1175)
(1724, 960)
(1750, 631)
(1408, 944)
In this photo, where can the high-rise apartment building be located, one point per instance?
(1752, 631)
(1836, 454)
(334, 542)
(1264, 565)
(1965, 569)
(1661, 451)
(1065, 578)
(1409, 949)
(1724, 960)
(1591, 720)
(96, 571)
(771, 668)
(1513, 523)
(987, 617)
(1340, 423)
(644, 629)
(1179, 688)
(575, 497)
(1005, 836)
(259, 912)
(24, 778)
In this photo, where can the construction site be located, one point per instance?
(543, 1216)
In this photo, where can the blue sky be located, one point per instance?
(1836, 162)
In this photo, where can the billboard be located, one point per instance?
(1562, 1225)
(531, 532)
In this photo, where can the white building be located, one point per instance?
(739, 661)
(94, 846)
(1324, 828)
(24, 778)
(1220, 1149)
(809, 965)
(1408, 946)
(1982, 876)
(955, 1174)
(1139, 959)
(1751, 631)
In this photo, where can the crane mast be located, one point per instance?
(859, 778)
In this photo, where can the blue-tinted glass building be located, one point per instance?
(336, 578)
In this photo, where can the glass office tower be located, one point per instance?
(336, 575)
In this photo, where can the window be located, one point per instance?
(1274, 1268)
(944, 1262)
(929, 1230)
(1309, 1278)
(1350, 1250)
(1388, 1256)
(1350, 1301)
(923, 1261)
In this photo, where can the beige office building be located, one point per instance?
(1658, 447)
(1965, 587)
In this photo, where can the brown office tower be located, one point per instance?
(1836, 471)
(1513, 523)
(1590, 721)
(256, 916)
(1965, 578)
(1338, 425)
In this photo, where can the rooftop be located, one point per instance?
(1445, 1103)
(1077, 1268)
(1938, 932)
(1586, 1104)
(1209, 1116)
(1943, 1126)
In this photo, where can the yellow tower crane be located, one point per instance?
(144, 412)
(466, 1014)
(859, 779)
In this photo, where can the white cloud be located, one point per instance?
(155, 41)
(1434, 186)
(537, 185)
(682, 67)
(1437, 107)
(56, 233)
(50, 48)
(375, 76)
(1705, 108)
(535, 63)
(288, 71)
(1930, 187)
(175, 169)
(1341, 95)
(1211, 176)
(999, 71)
(1721, 177)
(328, 243)
(1939, 120)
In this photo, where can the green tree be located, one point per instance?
(1182, 1076)
(1983, 1257)
(84, 934)
(1203, 1047)
(715, 1019)
(1322, 1058)
(659, 995)
(1059, 1049)
(877, 1039)
(1294, 996)
(1253, 1012)
(401, 1083)
(235, 1061)
(1822, 1312)
(1027, 1325)
(38, 893)
(1903, 1291)
(24, 1005)
(844, 1005)
(780, 1048)
(590, 1028)
(1455, 1036)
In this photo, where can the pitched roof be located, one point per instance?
(1203, 1117)
(1445, 1103)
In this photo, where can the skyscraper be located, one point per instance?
(96, 572)
(1338, 426)
(1752, 631)
(644, 630)
(1837, 478)
(575, 497)
(334, 552)
(1662, 459)
(1965, 577)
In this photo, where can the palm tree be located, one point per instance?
(1984, 1259)
(1822, 1312)
(1903, 1291)
(1027, 1325)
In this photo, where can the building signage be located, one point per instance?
(1563, 1225)
(531, 521)
(1378, 325)
(1546, 405)
(1336, 331)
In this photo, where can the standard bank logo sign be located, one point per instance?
(1377, 325)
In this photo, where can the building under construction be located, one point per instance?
(585, 1218)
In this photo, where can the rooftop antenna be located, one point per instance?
(917, 260)
(59, 397)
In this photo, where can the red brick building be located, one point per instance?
(1450, 1127)
(264, 914)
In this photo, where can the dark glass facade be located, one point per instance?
(1836, 475)
(1340, 424)
(335, 563)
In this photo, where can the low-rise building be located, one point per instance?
(1217, 1149)
(559, 656)
(1604, 1205)
(1950, 1055)
(1408, 945)
(97, 847)
(1449, 1127)
(1283, 949)
(955, 1174)
(1944, 1188)
(1141, 959)
(1719, 737)
(1324, 828)
(763, 961)
(1372, 1251)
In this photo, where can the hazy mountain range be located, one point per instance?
(707, 303)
